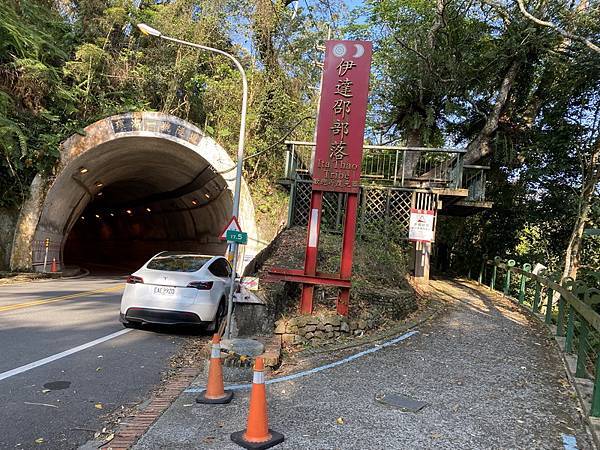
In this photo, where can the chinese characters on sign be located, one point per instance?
(342, 114)
(127, 124)
(421, 225)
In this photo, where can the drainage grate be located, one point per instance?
(402, 402)
(57, 385)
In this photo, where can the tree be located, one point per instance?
(519, 96)
(580, 17)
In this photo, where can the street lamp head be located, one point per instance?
(148, 30)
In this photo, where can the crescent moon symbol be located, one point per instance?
(360, 50)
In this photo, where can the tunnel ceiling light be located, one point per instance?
(112, 214)
(148, 209)
(97, 216)
(194, 202)
(100, 193)
(82, 218)
(207, 195)
(129, 212)
(99, 184)
(83, 170)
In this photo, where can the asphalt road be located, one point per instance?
(39, 322)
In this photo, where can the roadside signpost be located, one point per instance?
(421, 225)
(336, 163)
(232, 225)
(236, 236)
(233, 234)
(46, 245)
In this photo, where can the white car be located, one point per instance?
(176, 288)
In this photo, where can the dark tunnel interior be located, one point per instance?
(147, 204)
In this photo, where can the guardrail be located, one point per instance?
(391, 165)
(475, 180)
(567, 306)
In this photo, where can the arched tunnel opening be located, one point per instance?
(119, 203)
(124, 226)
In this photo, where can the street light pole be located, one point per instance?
(147, 30)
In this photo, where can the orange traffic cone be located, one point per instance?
(54, 267)
(257, 435)
(215, 393)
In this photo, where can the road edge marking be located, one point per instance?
(57, 356)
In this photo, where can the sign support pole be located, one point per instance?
(347, 251)
(312, 248)
(231, 289)
(46, 244)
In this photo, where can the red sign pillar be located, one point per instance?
(338, 152)
(337, 164)
(312, 246)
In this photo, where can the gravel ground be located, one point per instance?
(490, 375)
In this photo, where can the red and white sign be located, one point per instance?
(250, 283)
(342, 115)
(421, 225)
(232, 225)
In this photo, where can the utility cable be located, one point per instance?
(278, 142)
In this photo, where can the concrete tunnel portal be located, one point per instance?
(132, 186)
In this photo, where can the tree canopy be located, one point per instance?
(519, 95)
(515, 82)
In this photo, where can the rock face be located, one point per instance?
(316, 329)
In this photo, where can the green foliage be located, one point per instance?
(438, 74)
(65, 65)
(34, 43)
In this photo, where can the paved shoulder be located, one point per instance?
(489, 374)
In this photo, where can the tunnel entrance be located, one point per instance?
(129, 221)
(135, 185)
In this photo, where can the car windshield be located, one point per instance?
(178, 263)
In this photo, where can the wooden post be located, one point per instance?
(422, 255)
(522, 289)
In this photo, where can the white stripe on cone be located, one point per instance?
(258, 378)
(215, 351)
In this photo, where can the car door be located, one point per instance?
(220, 270)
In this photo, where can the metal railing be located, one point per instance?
(568, 306)
(41, 253)
(475, 180)
(417, 167)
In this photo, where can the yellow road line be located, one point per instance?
(57, 299)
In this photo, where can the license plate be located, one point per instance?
(162, 290)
